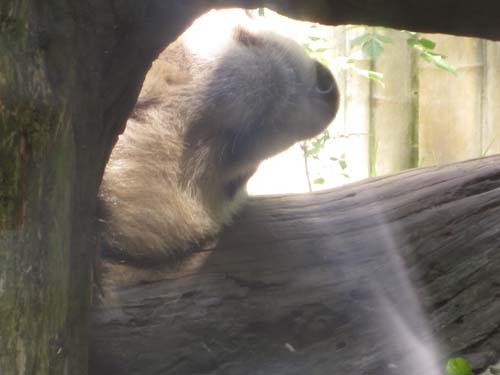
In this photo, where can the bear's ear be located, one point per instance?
(246, 37)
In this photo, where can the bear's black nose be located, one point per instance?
(325, 83)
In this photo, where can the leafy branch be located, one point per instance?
(425, 48)
(313, 149)
(371, 43)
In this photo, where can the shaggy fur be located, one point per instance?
(199, 130)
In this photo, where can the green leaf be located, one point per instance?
(412, 42)
(427, 43)
(320, 49)
(375, 76)
(333, 158)
(309, 50)
(438, 60)
(361, 39)
(343, 164)
(373, 49)
(426, 56)
(370, 74)
(312, 151)
(420, 43)
(324, 61)
(319, 181)
(436, 54)
(445, 66)
(458, 366)
(382, 38)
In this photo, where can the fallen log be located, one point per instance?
(390, 275)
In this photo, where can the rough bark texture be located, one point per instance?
(70, 72)
(69, 75)
(373, 278)
(460, 17)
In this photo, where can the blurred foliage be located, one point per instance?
(458, 366)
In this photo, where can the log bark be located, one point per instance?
(70, 72)
(462, 17)
(389, 275)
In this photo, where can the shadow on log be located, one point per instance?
(387, 276)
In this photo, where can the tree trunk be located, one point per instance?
(390, 275)
(458, 17)
(70, 72)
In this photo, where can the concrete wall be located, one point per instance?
(450, 106)
(420, 116)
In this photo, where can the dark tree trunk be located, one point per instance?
(385, 276)
(70, 72)
(460, 17)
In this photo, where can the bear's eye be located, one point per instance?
(324, 79)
